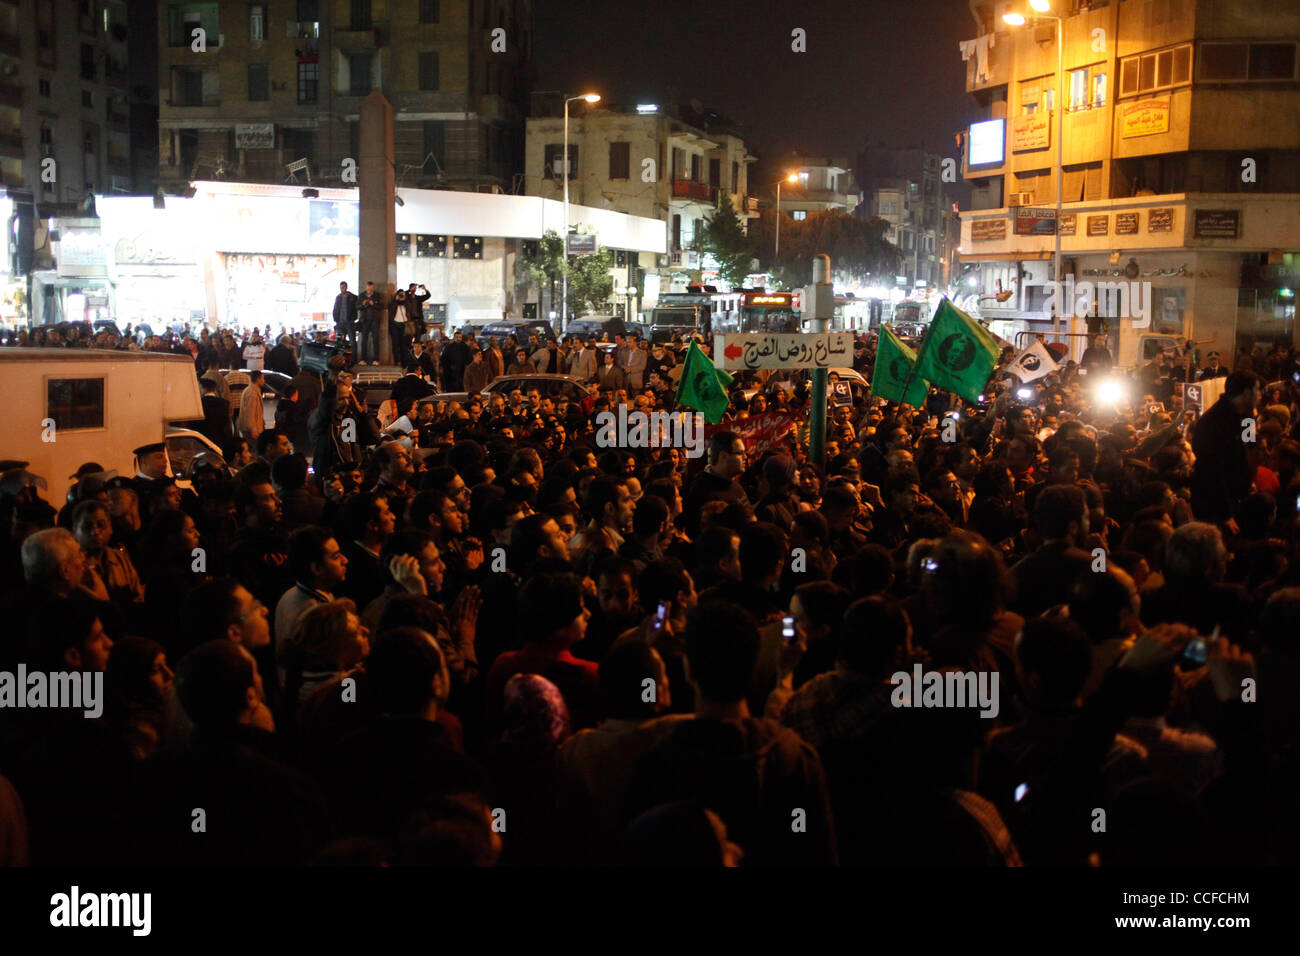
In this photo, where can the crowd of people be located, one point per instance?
(462, 632)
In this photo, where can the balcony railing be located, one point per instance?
(686, 189)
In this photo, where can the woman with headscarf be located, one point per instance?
(523, 768)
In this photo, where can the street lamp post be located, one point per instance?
(564, 295)
(1041, 8)
(792, 178)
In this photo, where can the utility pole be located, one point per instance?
(818, 308)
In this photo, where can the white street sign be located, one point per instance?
(746, 351)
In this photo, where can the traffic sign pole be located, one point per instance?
(819, 306)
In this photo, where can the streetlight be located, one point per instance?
(564, 299)
(1016, 20)
(792, 178)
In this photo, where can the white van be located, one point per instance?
(65, 407)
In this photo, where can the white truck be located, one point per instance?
(66, 407)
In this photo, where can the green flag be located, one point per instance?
(893, 378)
(703, 387)
(957, 353)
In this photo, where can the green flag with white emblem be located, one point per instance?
(957, 353)
(703, 387)
(893, 379)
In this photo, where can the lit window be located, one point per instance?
(1079, 89)
(799, 214)
(1099, 89)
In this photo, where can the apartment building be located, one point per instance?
(822, 183)
(1180, 165)
(275, 95)
(904, 187)
(660, 161)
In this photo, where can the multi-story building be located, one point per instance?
(68, 125)
(1180, 168)
(64, 97)
(658, 161)
(905, 188)
(276, 94)
(823, 183)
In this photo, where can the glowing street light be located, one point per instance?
(792, 178)
(564, 299)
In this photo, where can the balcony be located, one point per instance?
(11, 95)
(750, 206)
(686, 189)
(358, 41)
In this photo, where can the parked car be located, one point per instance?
(274, 385)
(597, 326)
(521, 329)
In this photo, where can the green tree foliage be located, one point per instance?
(723, 236)
(857, 247)
(590, 284)
(546, 265)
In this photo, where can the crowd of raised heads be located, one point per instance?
(463, 631)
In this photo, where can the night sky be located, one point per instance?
(875, 70)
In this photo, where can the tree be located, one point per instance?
(857, 247)
(723, 237)
(545, 265)
(590, 284)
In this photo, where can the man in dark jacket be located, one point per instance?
(345, 316)
(371, 307)
(217, 424)
(455, 356)
(1222, 476)
(282, 359)
(415, 308)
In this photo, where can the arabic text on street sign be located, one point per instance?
(783, 350)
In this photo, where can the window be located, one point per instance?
(554, 160)
(715, 173)
(695, 168)
(359, 73)
(1154, 71)
(360, 15)
(679, 162)
(1078, 89)
(1098, 89)
(88, 99)
(435, 145)
(429, 11)
(258, 85)
(620, 160)
(88, 141)
(47, 140)
(257, 22)
(184, 18)
(799, 215)
(308, 76)
(1248, 61)
(735, 177)
(87, 62)
(75, 402)
(44, 86)
(429, 70)
(803, 179)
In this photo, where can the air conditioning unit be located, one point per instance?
(1020, 199)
